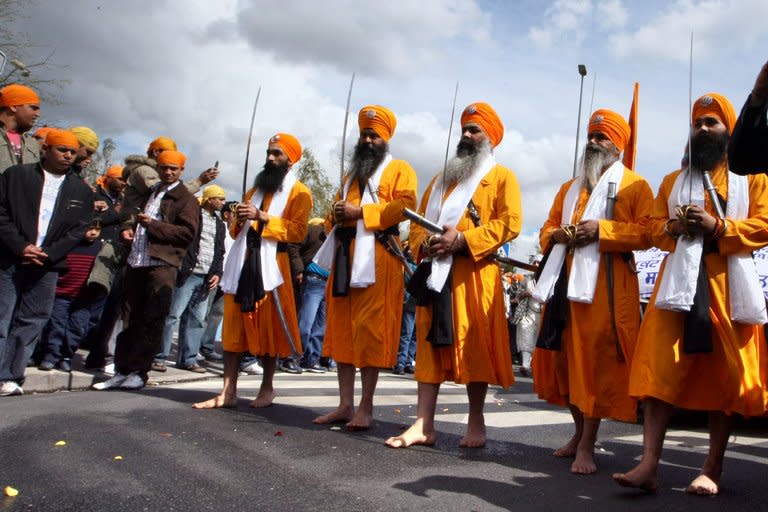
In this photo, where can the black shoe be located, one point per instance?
(212, 356)
(289, 366)
(65, 366)
(398, 370)
(409, 369)
(315, 368)
(46, 366)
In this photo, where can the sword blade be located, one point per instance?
(248, 146)
(448, 143)
(344, 137)
(284, 323)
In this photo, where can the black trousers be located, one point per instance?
(147, 295)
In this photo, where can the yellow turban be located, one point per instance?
(717, 105)
(86, 136)
(483, 115)
(164, 143)
(612, 125)
(16, 94)
(214, 191)
(171, 157)
(289, 144)
(56, 137)
(315, 221)
(379, 119)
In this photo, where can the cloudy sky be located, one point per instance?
(190, 70)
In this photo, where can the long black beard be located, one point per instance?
(366, 160)
(708, 151)
(271, 177)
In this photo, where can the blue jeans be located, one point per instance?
(312, 318)
(406, 353)
(70, 323)
(190, 304)
(26, 301)
(212, 321)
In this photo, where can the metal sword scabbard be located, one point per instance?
(610, 205)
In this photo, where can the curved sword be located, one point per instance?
(248, 146)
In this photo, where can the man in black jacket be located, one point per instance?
(199, 276)
(45, 209)
(748, 147)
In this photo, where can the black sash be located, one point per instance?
(697, 333)
(250, 286)
(342, 261)
(555, 312)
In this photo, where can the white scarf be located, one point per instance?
(363, 273)
(678, 283)
(452, 209)
(270, 272)
(585, 266)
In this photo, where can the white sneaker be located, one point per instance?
(199, 357)
(10, 388)
(112, 383)
(254, 369)
(109, 369)
(133, 381)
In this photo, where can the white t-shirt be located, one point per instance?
(51, 186)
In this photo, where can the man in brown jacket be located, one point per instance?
(166, 227)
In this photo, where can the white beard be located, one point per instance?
(592, 165)
(460, 168)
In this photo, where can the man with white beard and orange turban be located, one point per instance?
(461, 323)
(592, 312)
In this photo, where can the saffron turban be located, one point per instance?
(716, 105)
(379, 119)
(212, 191)
(115, 171)
(612, 125)
(163, 143)
(56, 137)
(43, 131)
(86, 136)
(171, 157)
(289, 144)
(16, 94)
(483, 115)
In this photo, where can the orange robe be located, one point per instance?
(480, 350)
(587, 371)
(732, 378)
(260, 332)
(363, 328)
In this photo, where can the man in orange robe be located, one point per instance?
(589, 345)
(701, 346)
(274, 213)
(364, 295)
(462, 335)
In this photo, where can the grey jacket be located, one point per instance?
(30, 150)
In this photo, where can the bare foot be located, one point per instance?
(340, 415)
(584, 463)
(703, 485)
(569, 450)
(360, 421)
(640, 477)
(413, 436)
(217, 402)
(474, 438)
(263, 399)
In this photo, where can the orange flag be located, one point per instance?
(630, 150)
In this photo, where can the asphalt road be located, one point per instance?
(275, 459)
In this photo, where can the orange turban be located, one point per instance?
(164, 143)
(715, 105)
(56, 137)
(16, 94)
(289, 144)
(379, 119)
(115, 171)
(483, 115)
(43, 131)
(612, 125)
(171, 157)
